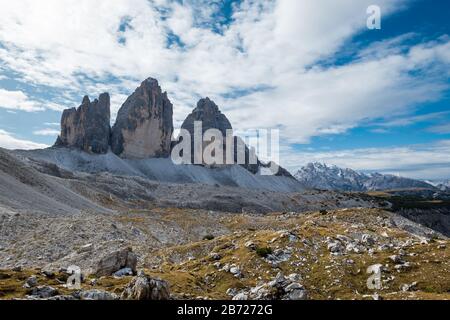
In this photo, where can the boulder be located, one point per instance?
(118, 260)
(144, 287)
(98, 295)
(87, 127)
(31, 282)
(144, 124)
(44, 292)
(280, 288)
(123, 273)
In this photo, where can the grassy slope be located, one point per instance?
(191, 273)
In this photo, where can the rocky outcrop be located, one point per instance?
(88, 126)
(144, 287)
(208, 113)
(280, 288)
(144, 129)
(144, 124)
(98, 295)
(116, 261)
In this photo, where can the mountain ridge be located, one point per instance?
(331, 177)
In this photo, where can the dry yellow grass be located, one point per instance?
(191, 272)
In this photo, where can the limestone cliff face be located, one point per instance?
(88, 126)
(144, 124)
(208, 113)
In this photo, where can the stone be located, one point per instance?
(402, 267)
(240, 297)
(335, 247)
(298, 294)
(396, 259)
(49, 274)
(409, 287)
(98, 295)
(250, 245)
(294, 277)
(279, 256)
(236, 271)
(62, 298)
(226, 267)
(116, 261)
(123, 273)
(354, 247)
(86, 248)
(87, 127)
(144, 124)
(17, 269)
(368, 239)
(294, 286)
(215, 256)
(280, 288)
(144, 287)
(279, 281)
(31, 282)
(44, 292)
(231, 292)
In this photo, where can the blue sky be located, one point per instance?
(372, 100)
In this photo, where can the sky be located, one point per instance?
(340, 93)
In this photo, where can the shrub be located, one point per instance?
(208, 237)
(264, 252)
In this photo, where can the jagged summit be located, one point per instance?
(144, 127)
(86, 100)
(206, 104)
(144, 124)
(209, 114)
(88, 126)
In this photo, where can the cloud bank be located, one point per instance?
(268, 64)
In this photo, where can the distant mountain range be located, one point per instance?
(324, 177)
(443, 185)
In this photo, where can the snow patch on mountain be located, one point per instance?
(329, 177)
(443, 185)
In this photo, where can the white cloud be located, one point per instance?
(8, 141)
(17, 100)
(409, 120)
(269, 44)
(46, 132)
(271, 51)
(442, 129)
(430, 161)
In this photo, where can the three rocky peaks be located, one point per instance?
(143, 128)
